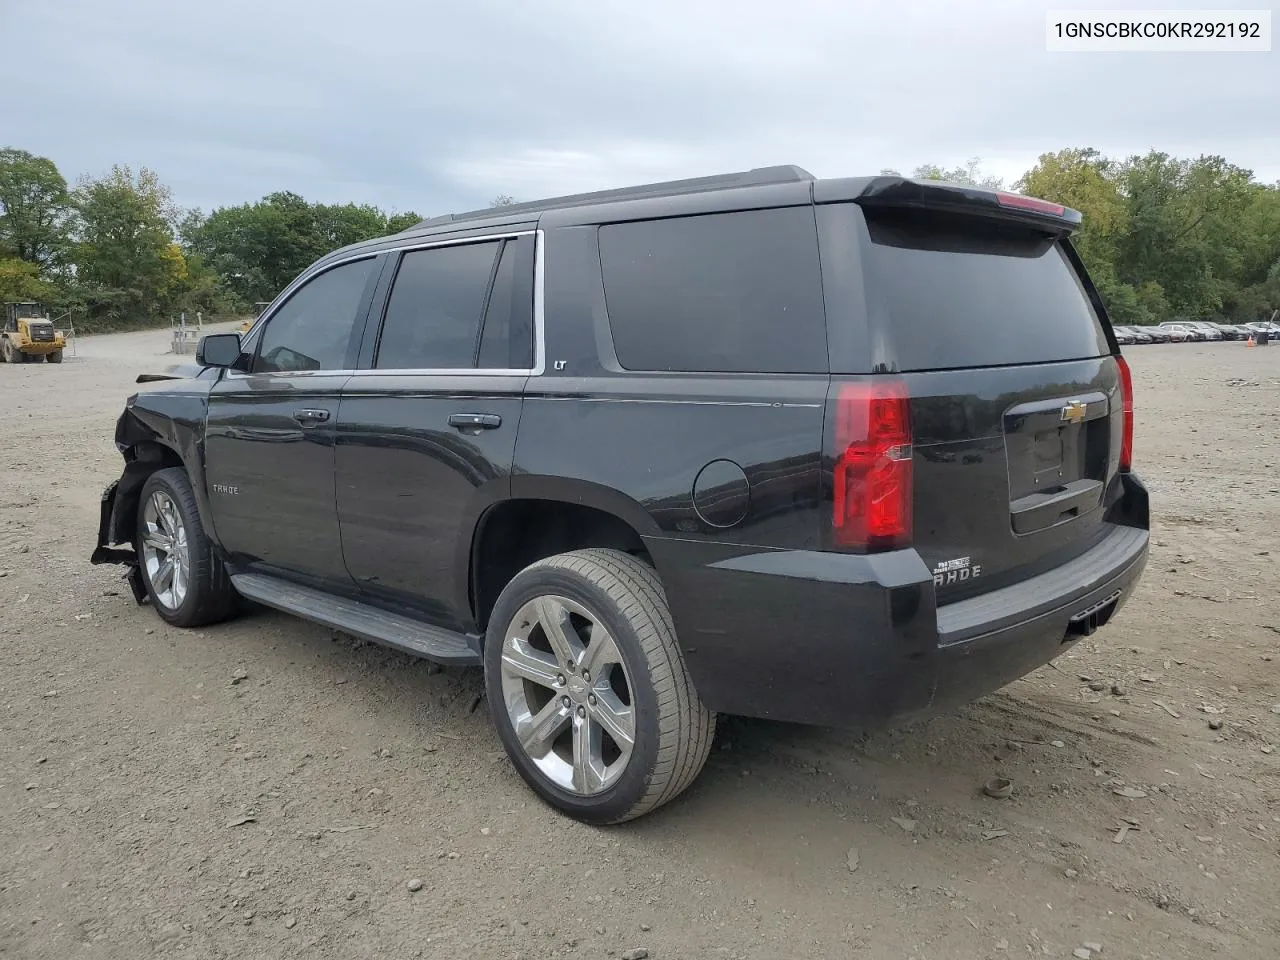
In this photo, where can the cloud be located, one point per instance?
(439, 106)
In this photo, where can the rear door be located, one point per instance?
(427, 430)
(1015, 404)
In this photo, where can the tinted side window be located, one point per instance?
(966, 292)
(507, 340)
(312, 329)
(730, 292)
(433, 314)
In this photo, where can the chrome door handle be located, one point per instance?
(311, 416)
(475, 421)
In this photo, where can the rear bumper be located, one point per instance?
(851, 641)
(994, 639)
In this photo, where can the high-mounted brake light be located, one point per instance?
(1126, 400)
(872, 498)
(1029, 203)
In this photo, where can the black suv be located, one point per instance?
(826, 451)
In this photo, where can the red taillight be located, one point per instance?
(1126, 400)
(871, 504)
(1029, 203)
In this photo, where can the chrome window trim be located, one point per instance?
(539, 316)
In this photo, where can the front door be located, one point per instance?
(426, 436)
(269, 439)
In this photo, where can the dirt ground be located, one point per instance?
(131, 759)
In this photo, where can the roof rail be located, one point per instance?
(788, 173)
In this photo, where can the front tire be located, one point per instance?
(187, 583)
(54, 357)
(588, 687)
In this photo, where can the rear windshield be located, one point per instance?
(965, 292)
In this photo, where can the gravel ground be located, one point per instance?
(262, 789)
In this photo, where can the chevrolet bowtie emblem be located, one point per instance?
(1074, 412)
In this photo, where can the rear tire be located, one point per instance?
(613, 619)
(55, 357)
(187, 583)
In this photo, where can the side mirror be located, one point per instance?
(218, 350)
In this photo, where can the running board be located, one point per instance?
(360, 619)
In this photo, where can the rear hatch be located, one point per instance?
(982, 312)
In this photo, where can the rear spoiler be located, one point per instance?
(890, 191)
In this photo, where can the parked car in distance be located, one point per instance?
(1229, 331)
(1123, 336)
(1210, 330)
(1178, 333)
(1132, 334)
(1157, 334)
(822, 451)
(1193, 332)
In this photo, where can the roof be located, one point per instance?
(749, 189)
(760, 176)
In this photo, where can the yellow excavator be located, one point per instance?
(28, 335)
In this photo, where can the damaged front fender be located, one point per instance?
(106, 553)
(158, 429)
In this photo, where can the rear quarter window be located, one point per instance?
(967, 292)
(720, 293)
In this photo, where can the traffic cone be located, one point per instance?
(1249, 342)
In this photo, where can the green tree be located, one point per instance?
(1085, 180)
(258, 248)
(399, 222)
(127, 264)
(1258, 292)
(970, 174)
(34, 205)
(1184, 234)
(20, 280)
(339, 226)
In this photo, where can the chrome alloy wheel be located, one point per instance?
(568, 695)
(164, 550)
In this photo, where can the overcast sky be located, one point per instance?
(439, 105)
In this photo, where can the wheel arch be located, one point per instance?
(141, 461)
(158, 430)
(545, 520)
